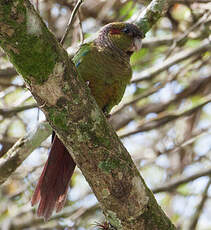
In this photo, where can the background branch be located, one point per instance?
(13, 111)
(68, 28)
(198, 211)
(21, 150)
(155, 70)
(174, 184)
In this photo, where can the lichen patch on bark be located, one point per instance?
(51, 90)
(141, 196)
(113, 219)
(33, 23)
(105, 193)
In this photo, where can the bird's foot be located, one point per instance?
(105, 226)
(106, 113)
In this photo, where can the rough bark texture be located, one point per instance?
(153, 12)
(74, 115)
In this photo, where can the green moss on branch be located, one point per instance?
(31, 55)
(150, 16)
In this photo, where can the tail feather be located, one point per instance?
(52, 187)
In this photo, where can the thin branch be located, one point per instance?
(200, 207)
(148, 74)
(13, 111)
(80, 28)
(8, 84)
(69, 212)
(153, 42)
(163, 119)
(22, 148)
(194, 87)
(186, 33)
(149, 92)
(75, 10)
(174, 184)
(188, 141)
(8, 72)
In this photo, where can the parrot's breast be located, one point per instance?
(105, 73)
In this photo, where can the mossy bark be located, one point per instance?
(152, 14)
(77, 120)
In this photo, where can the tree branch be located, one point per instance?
(21, 150)
(152, 14)
(200, 207)
(174, 184)
(155, 70)
(194, 87)
(75, 10)
(12, 111)
(164, 118)
(8, 72)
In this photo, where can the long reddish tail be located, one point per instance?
(52, 187)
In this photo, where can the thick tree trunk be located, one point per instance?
(77, 120)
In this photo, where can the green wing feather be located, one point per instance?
(81, 53)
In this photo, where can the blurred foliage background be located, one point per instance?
(164, 119)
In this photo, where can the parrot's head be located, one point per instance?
(124, 36)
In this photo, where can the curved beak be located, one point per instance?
(137, 43)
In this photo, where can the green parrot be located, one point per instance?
(104, 64)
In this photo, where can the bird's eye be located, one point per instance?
(126, 30)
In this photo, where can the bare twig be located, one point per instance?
(154, 42)
(80, 28)
(186, 142)
(138, 98)
(75, 10)
(163, 119)
(37, 5)
(174, 184)
(155, 70)
(8, 84)
(70, 212)
(184, 35)
(8, 72)
(13, 111)
(194, 87)
(199, 209)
